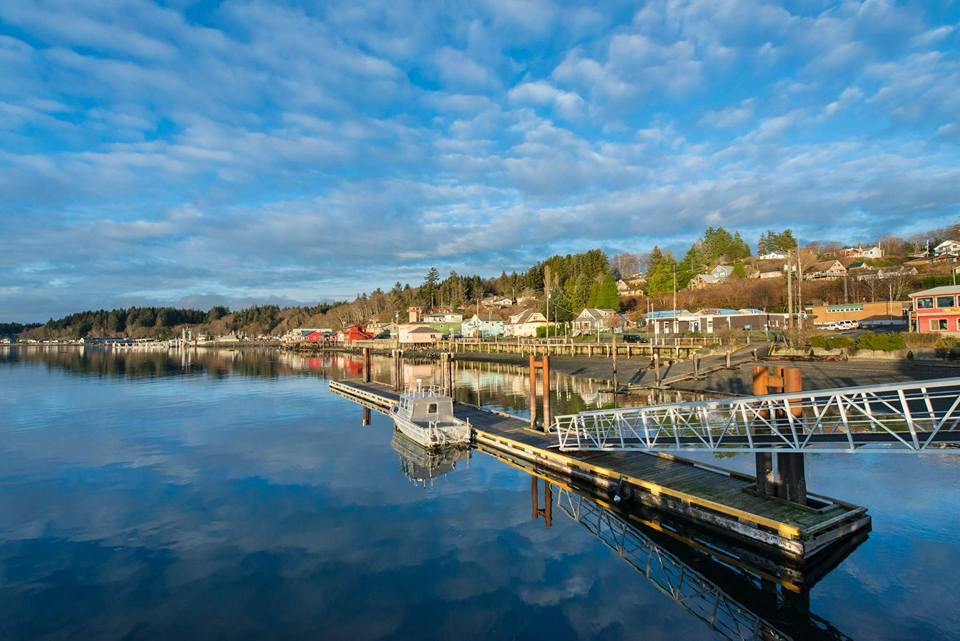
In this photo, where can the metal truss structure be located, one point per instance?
(690, 589)
(916, 416)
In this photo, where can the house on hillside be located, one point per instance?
(631, 285)
(526, 323)
(593, 319)
(477, 327)
(496, 301)
(718, 274)
(948, 248)
(826, 270)
(774, 255)
(768, 269)
(860, 251)
(443, 317)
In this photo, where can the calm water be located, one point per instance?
(229, 495)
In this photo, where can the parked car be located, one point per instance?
(635, 338)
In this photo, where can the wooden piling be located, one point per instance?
(764, 460)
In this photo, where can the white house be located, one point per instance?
(947, 248)
(633, 287)
(863, 252)
(526, 323)
(774, 255)
(594, 319)
(826, 270)
(476, 327)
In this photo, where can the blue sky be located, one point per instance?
(199, 152)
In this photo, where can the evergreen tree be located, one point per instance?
(604, 293)
(660, 278)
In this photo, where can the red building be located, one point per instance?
(354, 333)
(936, 311)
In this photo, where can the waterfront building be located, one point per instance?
(935, 311)
(860, 312)
(713, 320)
(418, 334)
(414, 314)
(477, 327)
(442, 317)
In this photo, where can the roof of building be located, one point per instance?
(524, 316)
(595, 313)
(665, 313)
(937, 291)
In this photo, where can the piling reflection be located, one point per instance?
(705, 575)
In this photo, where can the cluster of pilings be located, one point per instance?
(788, 481)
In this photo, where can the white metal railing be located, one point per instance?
(915, 416)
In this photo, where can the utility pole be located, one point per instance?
(789, 294)
(799, 288)
(676, 323)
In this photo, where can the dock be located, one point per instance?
(721, 500)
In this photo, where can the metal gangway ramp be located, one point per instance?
(912, 417)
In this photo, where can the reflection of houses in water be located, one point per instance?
(421, 465)
(738, 593)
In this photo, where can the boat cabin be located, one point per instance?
(426, 405)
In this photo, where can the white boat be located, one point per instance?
(426, 417)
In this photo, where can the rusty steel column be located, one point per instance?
(547, 414)
(790, 466)
(764, 460)
(533, 391)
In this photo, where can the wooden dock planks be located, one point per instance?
(714, 495)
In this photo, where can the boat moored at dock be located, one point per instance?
(426, 417)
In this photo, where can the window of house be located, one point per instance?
(432, 408)
(925, 303)
(944, 301)
(938, 324)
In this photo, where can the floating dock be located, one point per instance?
(709, 496)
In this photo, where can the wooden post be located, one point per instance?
(696, 367)
(547, 414)
(764, 461)
(656, 366)
(367, 377)
(533, 391)
(365, 417)
(727, 361)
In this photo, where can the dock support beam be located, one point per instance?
(367, 376)
(547, 510)
(446, 372)
(790, 481)
(398, 369)
(542, 363)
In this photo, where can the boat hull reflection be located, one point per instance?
(421, 465)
